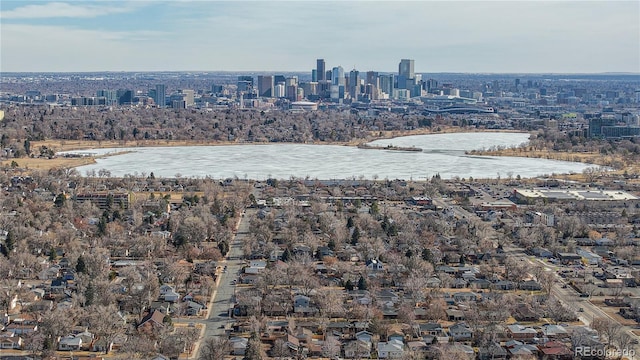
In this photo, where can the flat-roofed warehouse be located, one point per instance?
(612, 197)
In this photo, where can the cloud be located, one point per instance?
(59, 48)
(66, 10)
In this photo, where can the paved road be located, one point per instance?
(223, 296)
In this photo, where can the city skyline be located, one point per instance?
(459, 36)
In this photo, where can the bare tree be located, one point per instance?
(214, 348)
(280, 350)
(331, 347)
(607, 329)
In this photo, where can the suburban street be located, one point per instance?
(223, 297)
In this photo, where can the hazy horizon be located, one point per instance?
(474, 37)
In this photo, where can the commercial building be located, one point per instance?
(320, 69)
(563, 195)
(160, 95)
(265, 85)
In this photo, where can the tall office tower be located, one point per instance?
(189, 97)
(354, 84)
(291, 92)
(320, 65)
(386, 84)
(337, 76)
(405, 74)
(314, 75)
(245, 83)
(406, 68)
(431, 84)
(265, 85)
(109, 95)
(124, 96)
(310, 88)
(372, 78)
(280, 90)
(161, 95)
(291, 81)
(277, 79)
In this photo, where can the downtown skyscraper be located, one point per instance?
(320, 69)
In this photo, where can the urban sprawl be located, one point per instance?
(94, 266)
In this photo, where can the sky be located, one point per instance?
(562, 36)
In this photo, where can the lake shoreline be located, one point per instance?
(62, 145)
(443, 154)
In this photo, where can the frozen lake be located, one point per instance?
(442, 153)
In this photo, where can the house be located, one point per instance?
(523, 312)
(193, 308)
(70, 343)
(13, 342)
(392, 349)
(42, 305)
(520, 332)
(21, 329)
(357, 349)
(459, 283)
(492, 351)
(465, 296)
(417, 346)
(238, 345)
(365, 336)
(569, 258)
(554, 350)
(434, 329)
(151, 320)
(542, 252)
(58, 285)
(454, 315)
(50, 273)
(292, 342)
(530, 285)
(258, 264)
(460, 332)
(164, 288)
(170, 296)
(480, 283)
(554, 331)
(301, 301)
(589, 257)
(504, 285)
(374, 265)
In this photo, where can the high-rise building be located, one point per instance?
(125, 96)
(314, 75)
(280, 90)
(161, 95)
(278, 79)
(406, 67)
(265, 85)
(320, 68)
(245, 83)
(354, 84)
(337, 76)
(386, 84)
(109, 95)
(189, 97)
(405, 72)
(372, 78)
